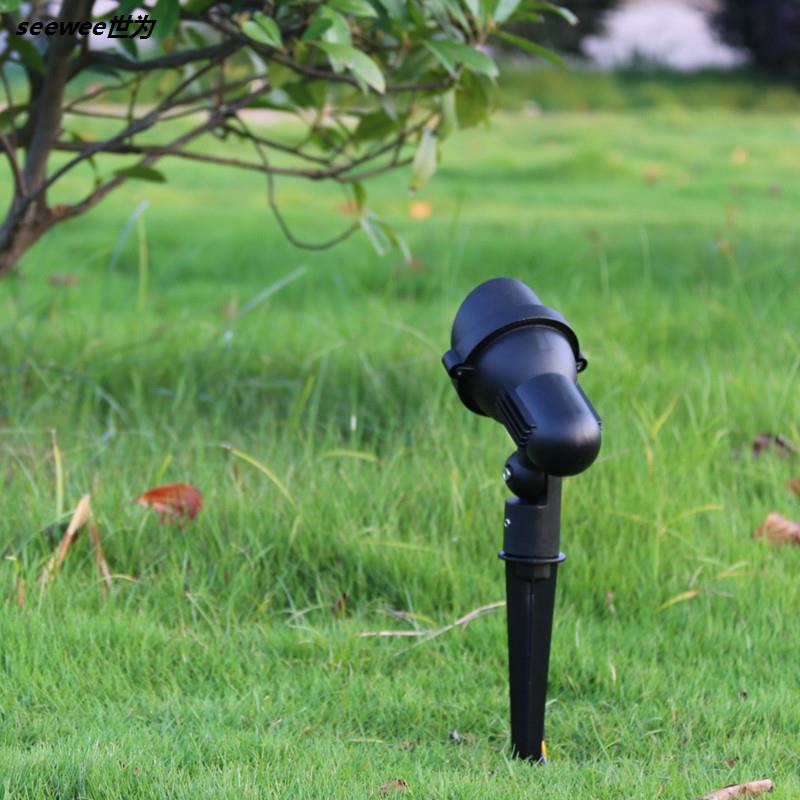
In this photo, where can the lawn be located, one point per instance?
(226, 660)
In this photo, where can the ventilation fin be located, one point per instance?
(514, 416)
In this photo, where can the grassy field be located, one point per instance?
(226, 660)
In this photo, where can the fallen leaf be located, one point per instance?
(82, 514)
(102, 564)
(724, 247)
(731, 762)
(739, 155)
(172, 500)
(62, 279)
(420, 209)
(750, 789)
(762, 442)
(793, 486)
(21, 592)
(394, 785)
(340, 605)
(652, 172)
(778, 530)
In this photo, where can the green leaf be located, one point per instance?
(504, 9)
(316, 28)
(359, 194)
(28, 54)
(474, 8)
(141, 173)
(374, 126)
(195, 37)
(375, 233)
(531, 47)
(360, 64)
(424, 164)
(474, 99)
(9, 114)
(9, 5)
(82, 140)
(382, 236)
(307, 94)
(129, 46)
(279, 74)
(167, 13)
(263, 29)
(450, 54)
(196, 6)
(449, 119)
(395, 9)
(125, 7)
(339, 30)
(453, 8)
(562, 12)
(358, 8)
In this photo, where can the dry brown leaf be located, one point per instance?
(21, 592)
(793, 486)
(420, 209)
(83, 512)
(340, 604)
(762, 442)
(62, 279)
(750, 789)
(778, 530)
(394, 785)
(739, 155)
(652, 172)
(102, 564)
(172, 501)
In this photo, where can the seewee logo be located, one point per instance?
(122, 26)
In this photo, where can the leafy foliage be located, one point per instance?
(376, 84)
(546, 24)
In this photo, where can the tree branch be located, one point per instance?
(310, 71)
(19, 181)
(100, 192)
(171, 61)
(276, 212)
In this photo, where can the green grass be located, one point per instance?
(217, 666)
(582, 89)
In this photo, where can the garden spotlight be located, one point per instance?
(517, 361)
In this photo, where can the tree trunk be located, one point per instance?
(29, 217)
(19, 233)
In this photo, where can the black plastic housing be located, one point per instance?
(517, 361)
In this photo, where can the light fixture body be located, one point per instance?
(517, 361)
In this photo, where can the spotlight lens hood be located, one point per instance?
(516, 360)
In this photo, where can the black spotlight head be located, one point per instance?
(517, 361)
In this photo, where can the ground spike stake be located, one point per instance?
(517, 361)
